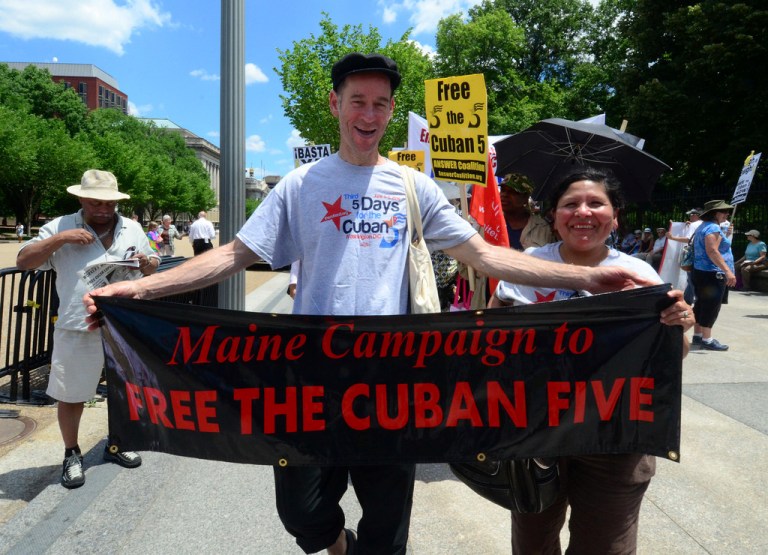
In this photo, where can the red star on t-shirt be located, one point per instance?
(545, 298)
(335, 212)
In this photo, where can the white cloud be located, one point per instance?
(389, 15)
(213, 134)
(254, 143)
(266, 119)
(425, 48)
(139, 111)
(99, 23)
(203, 75)
(424, 14)
(295, 139)
(253, 74)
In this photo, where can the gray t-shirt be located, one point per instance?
(347, 226)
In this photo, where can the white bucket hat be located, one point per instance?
(99, 185)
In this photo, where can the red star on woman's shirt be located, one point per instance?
(545, 298)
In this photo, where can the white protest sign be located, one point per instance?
(306, 154)
(745, 179)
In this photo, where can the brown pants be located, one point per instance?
(746, 273)
(604, 492)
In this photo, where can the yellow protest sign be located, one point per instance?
(410, 158)
(458, 127)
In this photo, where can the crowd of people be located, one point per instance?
(570, 248)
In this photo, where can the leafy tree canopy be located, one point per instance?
(305, 73)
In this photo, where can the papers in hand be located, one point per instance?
(99, 274)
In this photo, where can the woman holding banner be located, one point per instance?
(603, 491)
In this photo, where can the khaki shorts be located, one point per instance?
(76, 365)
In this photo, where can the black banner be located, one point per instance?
(590, 375)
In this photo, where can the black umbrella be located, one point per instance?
(553, 148)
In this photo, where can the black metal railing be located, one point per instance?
(28, 309)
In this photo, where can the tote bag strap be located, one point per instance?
(412, 212)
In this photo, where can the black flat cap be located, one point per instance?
(359, 63)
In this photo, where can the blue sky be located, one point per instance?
(164, 54)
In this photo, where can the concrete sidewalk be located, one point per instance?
(714, 501)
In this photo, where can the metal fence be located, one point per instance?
(28, 309)
(672, 205)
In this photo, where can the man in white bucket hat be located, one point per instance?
(70, 244)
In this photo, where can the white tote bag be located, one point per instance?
(424, 298)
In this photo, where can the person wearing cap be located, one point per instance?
(321, 214)
(646, 244)
(712, 272)
(753, 260)
(69, 244)
(524, 228)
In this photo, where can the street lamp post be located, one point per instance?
(232, 201)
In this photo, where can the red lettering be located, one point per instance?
(587, 338)
(399, 421)
(530, 341)
(273, 408)
(347, 407)
(156, 406)
(365, 345)
(328, 341)
(606, 406)
(294, 346)
(434, 338)
(134, 400)
(580, 404)
(312, 407)
(180, 412)
(185, 340)
(204, 412)
(456, 343)
(497, 397)
(555, 402)
(228, 350)
(638, 398)
(246, 396)
(425, 401)
(463, 407)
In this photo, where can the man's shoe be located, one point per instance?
(72, 475)
(714, 345)
(126, 459)
(696, 340)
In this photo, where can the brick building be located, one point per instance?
(96, 88)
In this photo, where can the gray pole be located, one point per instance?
(232, 202)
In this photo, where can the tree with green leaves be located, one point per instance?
(152, 165)
(39, 155)
(534, 57)
(305, 73)
(48, 138)
(695, 85)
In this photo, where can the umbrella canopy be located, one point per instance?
(549, 150)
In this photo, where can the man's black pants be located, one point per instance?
(199, 246)
(308, 504)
